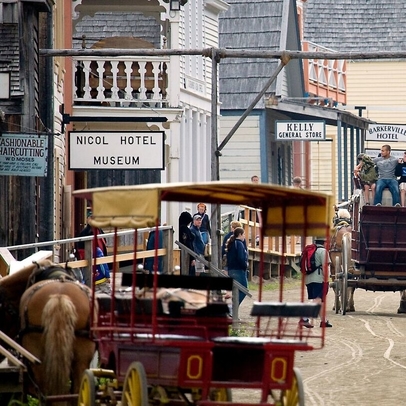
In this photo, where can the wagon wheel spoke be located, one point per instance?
(87, 391)
(295, 395)
(346, 259)
(221, 395)
(135, 389)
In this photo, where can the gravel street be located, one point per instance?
(363, 361)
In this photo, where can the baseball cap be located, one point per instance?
(197, 217)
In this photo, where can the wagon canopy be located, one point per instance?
(285, 210)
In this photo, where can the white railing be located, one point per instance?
(121, 81)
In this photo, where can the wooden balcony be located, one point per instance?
(325, 80)
(121, 81)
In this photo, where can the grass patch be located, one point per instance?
(273, 284)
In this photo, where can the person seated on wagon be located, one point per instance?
(401, 172)
(367, 185)
(386, 164)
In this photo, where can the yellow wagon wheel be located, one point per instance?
(135, 389)
(87, 391)
(295, 395)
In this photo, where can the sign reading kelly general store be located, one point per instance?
(23, 154)
(116, 150)
(300, 130)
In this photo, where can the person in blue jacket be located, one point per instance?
(237, 259)
(102, 275)
(150, 262)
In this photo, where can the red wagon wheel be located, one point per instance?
(135, 389)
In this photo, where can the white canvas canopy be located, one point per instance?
(285, 211)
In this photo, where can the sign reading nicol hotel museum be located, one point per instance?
(300, 130)
(116, 150)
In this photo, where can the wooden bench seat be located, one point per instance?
(287, 309)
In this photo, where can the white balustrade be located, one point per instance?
(121, 81)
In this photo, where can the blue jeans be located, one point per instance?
(393, 186)
(241, 277)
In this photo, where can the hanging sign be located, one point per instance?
(116, 150)
(23, 154)
(386, 132)
(300, 130)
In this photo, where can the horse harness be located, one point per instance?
(30, 328)
(337, 227)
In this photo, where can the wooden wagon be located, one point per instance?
(374, 253)
(156, 347)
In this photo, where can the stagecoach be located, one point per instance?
(373, 255)
(166, 338)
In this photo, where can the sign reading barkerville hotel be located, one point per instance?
(116, 150)
(23, 154)
(386, 132)
(300, 130)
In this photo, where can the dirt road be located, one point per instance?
(364, 359)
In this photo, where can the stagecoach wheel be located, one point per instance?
(346, 257)
(135, 389)
(295, 395)
(221, 395)
(337, 285)
(87, 391)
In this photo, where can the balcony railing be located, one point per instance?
(121, 81)
(324, 78)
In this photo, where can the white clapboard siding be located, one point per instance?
(241, 156)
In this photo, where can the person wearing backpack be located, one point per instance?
(316, 285)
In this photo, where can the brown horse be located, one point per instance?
(342, 225)
(54, 326)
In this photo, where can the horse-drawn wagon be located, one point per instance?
(169, 338)
(373, 254)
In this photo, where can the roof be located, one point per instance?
(258, 25)
(356, 25)
(286, 211)
(296, 110)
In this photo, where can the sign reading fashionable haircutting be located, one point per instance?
(386, 132)
(116, 150)
(300, 130)
(23, 155)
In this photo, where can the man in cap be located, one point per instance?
(316, 285)
(198, 243)
(205, 224)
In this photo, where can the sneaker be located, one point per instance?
(326, 324)
(397, 205)
(378, 204)
(305, 323)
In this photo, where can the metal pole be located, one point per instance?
(215, 219)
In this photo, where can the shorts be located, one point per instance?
(316, 290)
(402, 186)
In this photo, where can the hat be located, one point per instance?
(319, 240)
(197, 217)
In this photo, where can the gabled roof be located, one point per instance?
(356, 25)
(258, 25)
